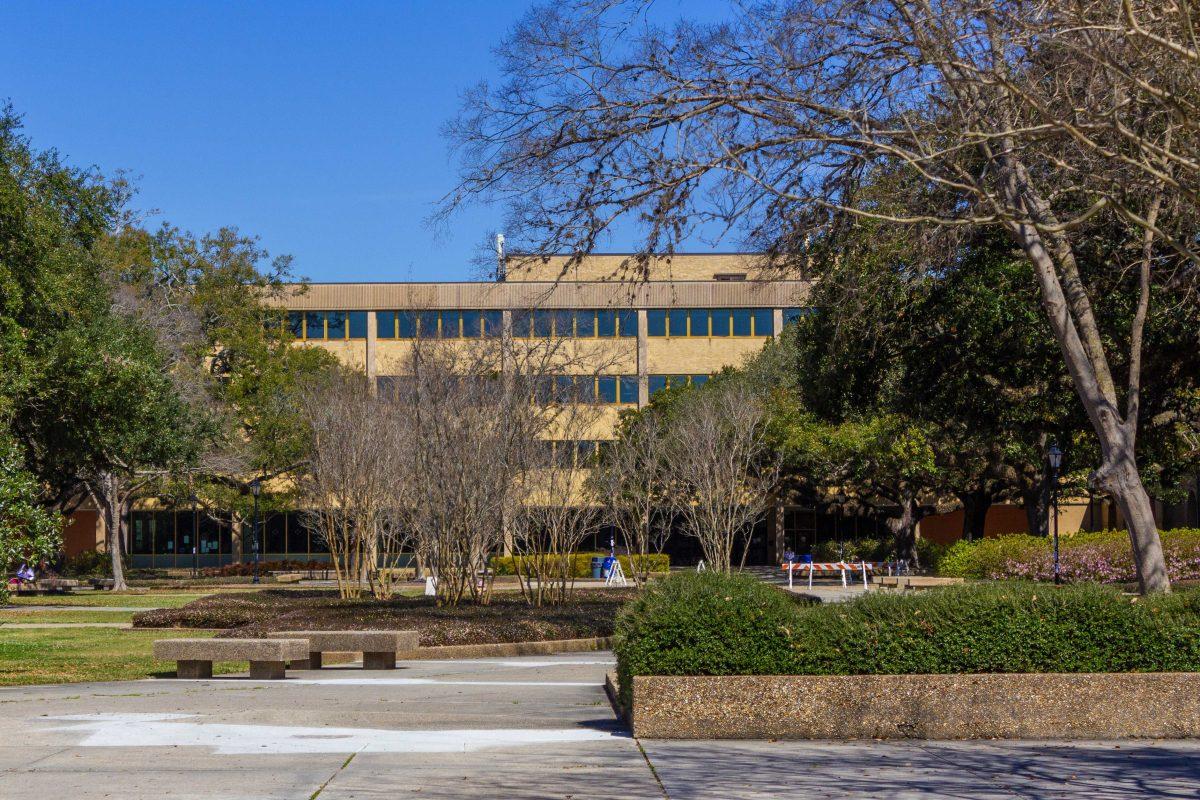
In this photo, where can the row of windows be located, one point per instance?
(570, 452)
(678, 322)
(584, 323)
(602, 389)
(328, 324)
(659, 382)
(170, 533)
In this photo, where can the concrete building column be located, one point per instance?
(372, 350)
(777, 320)
(643, 339)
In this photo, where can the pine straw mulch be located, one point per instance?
(507, 619)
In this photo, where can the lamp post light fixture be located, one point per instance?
(255, 488)
(1054, 457)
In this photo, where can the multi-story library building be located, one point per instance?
(675, 320)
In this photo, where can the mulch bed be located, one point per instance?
(508, 619)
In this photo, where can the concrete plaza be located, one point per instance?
(537, 727)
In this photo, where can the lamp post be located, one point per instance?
(1054, 459)
(255, 488)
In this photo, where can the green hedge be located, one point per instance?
(1002, 627)
(705, 623)
(1103, 556)
(581, 564)
(708, 624)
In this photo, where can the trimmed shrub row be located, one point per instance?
(710, 624)
(581, 564)
(1103, 556)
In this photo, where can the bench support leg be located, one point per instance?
(312, 662)
(193, 669)
(267, 670)
(379, 660)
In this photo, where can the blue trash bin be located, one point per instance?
(597, 567)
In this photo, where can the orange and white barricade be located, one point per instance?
(842, 567)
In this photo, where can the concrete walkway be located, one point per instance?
(533, 727)
(29, 625)
(77, 608)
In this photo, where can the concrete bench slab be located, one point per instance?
(379, 648)
(194, 657)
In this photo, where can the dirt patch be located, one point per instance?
(507, 619)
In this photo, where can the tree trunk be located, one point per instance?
(1037, 507)
(1124, 484)
(1073, 322)
(976, 504)
(904, 532)
(106, 493)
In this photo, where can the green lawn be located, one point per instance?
(130, 599)
(25, 616)
(72, 655)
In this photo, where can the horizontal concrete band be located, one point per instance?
(1004, 706)
(230, 649)
(508, 649)
(353, 641)
(563, 294)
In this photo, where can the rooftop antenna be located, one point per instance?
(501, 267)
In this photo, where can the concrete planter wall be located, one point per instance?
(1005, 706)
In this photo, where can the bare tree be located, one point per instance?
(477, 420)
(629, 477)
(348, 483)
(721, 469)
(1048, 119)
(556, 509)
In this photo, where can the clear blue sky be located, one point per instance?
(315, 125)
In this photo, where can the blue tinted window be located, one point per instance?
(677, 380)
(720, 321)
(564, 388)
(606, 389)
(586, 450)
(699, 321)
(628, 389)
(358, 324)
(564, 323)
(656, 322)
(314, 325)
(493, 324)
(543, 322)
(585, 323)
(628, 322)
(522, 322)
(586, 386)
(296, 323)
(471, 321)
(678, 320)
(385, 324)
(699, 380)
(657, 383)
(793, 314)
(764, 322)
(450, 324)
(406, 324)
(741, 322)
(336, 324)
(606, 323)
(427, 324)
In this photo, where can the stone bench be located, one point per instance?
(379, 648)
(267, 657)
